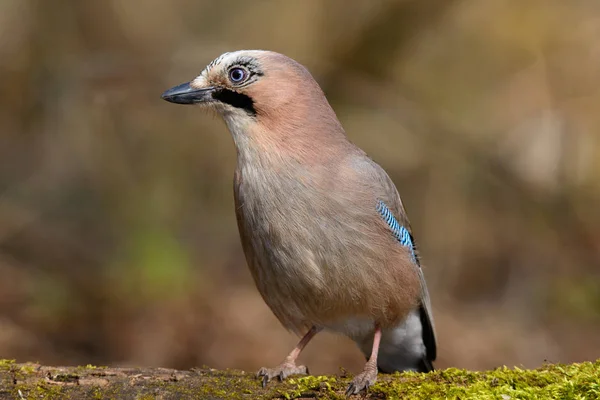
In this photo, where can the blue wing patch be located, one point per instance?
(400, 233)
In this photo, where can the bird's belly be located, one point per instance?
(358, 329)
(401, 346)
(294, 286)
(307, 277)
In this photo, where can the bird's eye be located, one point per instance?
(237, 75)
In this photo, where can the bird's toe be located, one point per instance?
(282, 372)
(362, 382)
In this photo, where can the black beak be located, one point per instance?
(186, 94)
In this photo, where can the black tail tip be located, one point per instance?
(426, 365)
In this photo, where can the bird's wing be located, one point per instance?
(402, 231)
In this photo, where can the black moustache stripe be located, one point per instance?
(235, 99)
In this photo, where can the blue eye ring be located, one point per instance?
(238, 75)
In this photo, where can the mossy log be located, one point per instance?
(552, 381)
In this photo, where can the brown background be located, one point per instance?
(118, 242)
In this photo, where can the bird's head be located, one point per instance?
(258, 89)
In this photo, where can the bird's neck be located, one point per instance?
(314, 140)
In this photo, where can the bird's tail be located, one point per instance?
(425, 365)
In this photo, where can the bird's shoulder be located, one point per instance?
(372, 177)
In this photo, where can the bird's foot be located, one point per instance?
(362, 381)
(285, 369)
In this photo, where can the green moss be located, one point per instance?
(27, 369)
(97, 394)
(312, 386)
(90, 366)
(41, 390)
(575, 381)
(6, 364)
(226, 384)
(18, 371)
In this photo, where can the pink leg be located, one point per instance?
(288, 366)
(369, 374)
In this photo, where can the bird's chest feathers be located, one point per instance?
(276, 199)
(275, 205)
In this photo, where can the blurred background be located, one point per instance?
(118, 241)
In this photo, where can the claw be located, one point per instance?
(362, 381)
(281, 372)
(350, 389)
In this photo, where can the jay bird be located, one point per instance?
(323, 229)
